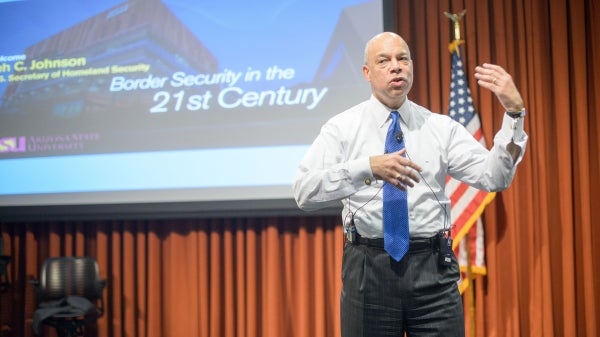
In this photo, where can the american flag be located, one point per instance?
(467, 202)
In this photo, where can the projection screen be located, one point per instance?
(112, 108)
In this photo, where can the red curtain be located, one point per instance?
(280, 276)
(191, 277)
(541, 232)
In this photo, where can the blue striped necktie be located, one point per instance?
(395, 206)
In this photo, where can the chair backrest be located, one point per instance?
(70, 276)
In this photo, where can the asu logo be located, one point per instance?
(13, 144)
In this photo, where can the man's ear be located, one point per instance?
(366, 72)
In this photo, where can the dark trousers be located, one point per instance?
(382, 297)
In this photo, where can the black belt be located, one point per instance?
(416, 244)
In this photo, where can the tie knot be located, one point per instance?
(394, 126)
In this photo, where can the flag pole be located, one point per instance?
(454, 47)
(457, 41)
(470, 291)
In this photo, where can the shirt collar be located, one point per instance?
(382, 112)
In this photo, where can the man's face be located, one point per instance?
(389, 69)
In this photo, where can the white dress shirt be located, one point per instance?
(337, 167)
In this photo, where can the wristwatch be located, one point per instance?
(517, 114)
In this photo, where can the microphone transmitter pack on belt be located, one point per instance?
(351, 231)
(445, 253)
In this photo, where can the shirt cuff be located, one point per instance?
(360, 172)
(512, 129)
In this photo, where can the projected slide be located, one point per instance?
(113, 96)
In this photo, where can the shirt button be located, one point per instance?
(368, 181)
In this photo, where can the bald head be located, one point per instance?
(378, 38)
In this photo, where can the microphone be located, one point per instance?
(447, 225)
(399, 136)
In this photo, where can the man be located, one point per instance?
(416, 291)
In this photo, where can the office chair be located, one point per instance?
(69, 293)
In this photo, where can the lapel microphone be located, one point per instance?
(399, 136)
